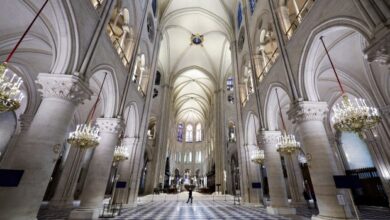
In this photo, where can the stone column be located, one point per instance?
(124, 171)
(273, 164)
(63, 196)
(255, 195)
(309, 117)
(294, 178)
(37, 151)
(99, 170)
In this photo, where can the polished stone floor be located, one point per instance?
(206, 209)
(196, 210)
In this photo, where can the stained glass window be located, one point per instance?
(180, 132)
(229, 83)
(252, 5)
(154, 7)
(189, 133)
(239, 15)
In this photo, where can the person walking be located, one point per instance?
(189, 195)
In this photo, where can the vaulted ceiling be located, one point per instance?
(195, 70)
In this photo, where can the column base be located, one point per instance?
(298, 204)
(320, 217)
(128, 206)
(281, 210)
(84, 214)
(60, 204)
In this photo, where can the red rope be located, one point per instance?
(280, 111)
(331, 63)
(25, 33)
(92, 112)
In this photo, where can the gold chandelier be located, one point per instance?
(87, 135)
(121, 153)
(355, 117)
(352, 116)
(258, 156)
(10, 94)
(286, 143)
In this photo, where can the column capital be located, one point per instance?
(68, 87)
(110, 125)
(385, 109)
(268, 137)
(307, 111)
(379, 48)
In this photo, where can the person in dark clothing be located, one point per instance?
(189, 195)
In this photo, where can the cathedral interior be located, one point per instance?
(250, 109)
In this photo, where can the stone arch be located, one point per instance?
(132, 121)
(307, 85)
(251, 128)
(271, 108)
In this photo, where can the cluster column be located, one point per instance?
(309, 118)
(99, 170)
(294, 178)
(63, 196)
(276, 184)
(36, 152)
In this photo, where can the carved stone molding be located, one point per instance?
(268, 137)
(385, 110)
(379, 48)
(307, 111)
(110, 125)
(68, 87)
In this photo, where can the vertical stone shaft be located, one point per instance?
(99, 170)
(309, 117)
(37, 150)
(276, 183)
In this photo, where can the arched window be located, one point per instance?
(252, 5)
(232, 132)
(198, 132)
(180, 132)
(190, 157)
(198, 158)
(229, 83)
(158, 78)
(189, 133)
(121, 34)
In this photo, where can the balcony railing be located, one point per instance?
(298, 18)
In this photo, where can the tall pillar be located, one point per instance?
(37, 151)
(124, 171)
(273, 164)
(99, 170)
(294, 178)
(309, 117)
(255, 195)
(63, 196)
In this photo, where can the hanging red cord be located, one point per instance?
(331, 63)
(280, 111)
(92, 112)
(25, 33)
